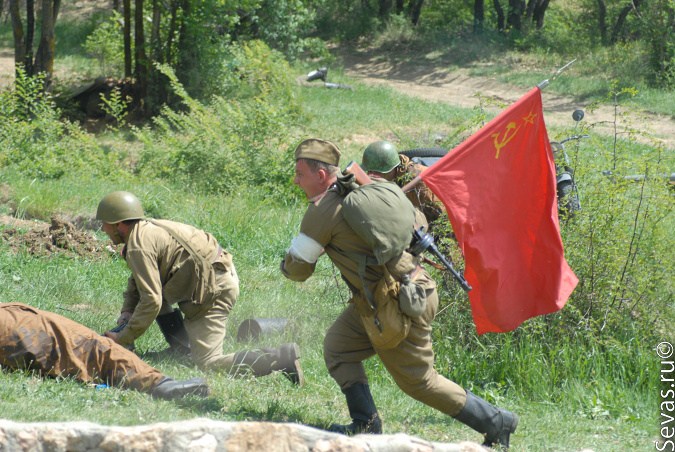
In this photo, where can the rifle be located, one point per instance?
(423, 241)
(360, 176)
(117, 329)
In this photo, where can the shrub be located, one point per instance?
(231, 143)
(105, 44)
(35, 141)
(283, 24)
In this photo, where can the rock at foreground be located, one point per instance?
(205, 435)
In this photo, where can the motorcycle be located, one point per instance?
(569, 201)
(322, 74)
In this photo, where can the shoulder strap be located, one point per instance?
(364, 261)
(201, 259)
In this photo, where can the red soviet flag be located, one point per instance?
(499, 190)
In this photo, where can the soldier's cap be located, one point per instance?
(320, 150)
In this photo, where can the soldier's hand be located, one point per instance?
(112, 335)
(124, 317)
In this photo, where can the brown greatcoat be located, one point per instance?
(59, 347)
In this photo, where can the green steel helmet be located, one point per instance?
(380, 156)
(119, 206)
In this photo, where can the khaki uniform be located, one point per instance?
(346, 344)
(161, 276)
(58, 347)
(420, 196)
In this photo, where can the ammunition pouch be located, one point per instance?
(412, 297)
(382, 318)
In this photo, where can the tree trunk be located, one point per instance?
(529, 11)
(127, 39)
(30, 36)
(535, 12)
(501, 22)
(478, 16)
(416, 11)
(662, 53)
(515, 12)
(621, 19)
(602, 21)
(539, 11)
(383, 8)
(44, 58)
(155, 40)
(17, 29)
(171, 34)
(141, 60)
(183, 44)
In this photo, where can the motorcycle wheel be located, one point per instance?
(424, 152)
(568, 202)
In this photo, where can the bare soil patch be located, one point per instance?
(60, 236)
(435, 82)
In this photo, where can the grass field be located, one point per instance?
(575, 383)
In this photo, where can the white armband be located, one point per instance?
(305, 248)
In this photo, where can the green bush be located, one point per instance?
(106, 44)
(345, 21)
(283, 24)
(36, 142)
(231, 143)
(396, 31)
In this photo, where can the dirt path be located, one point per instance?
(456, 87)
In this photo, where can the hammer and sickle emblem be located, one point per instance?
(506, 135)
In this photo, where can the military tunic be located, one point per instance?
(162, 275)
(347, 344)
(59, 347)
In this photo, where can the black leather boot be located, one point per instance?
(496, 424)
(170, 389)
(362, 411)
(172, 327)
(285, 359)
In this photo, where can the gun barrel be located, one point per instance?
(460, 279)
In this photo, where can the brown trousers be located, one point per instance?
(206, 324)
(411, 363)
(59, 347)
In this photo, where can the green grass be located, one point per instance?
(582, 412)
(571, 388)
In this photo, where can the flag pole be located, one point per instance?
(410, 185)
(543, 84)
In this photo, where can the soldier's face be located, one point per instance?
(113, 233)
(311, 182)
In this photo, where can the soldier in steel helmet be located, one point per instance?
(183, 279)
(347, 343)
(381, 159)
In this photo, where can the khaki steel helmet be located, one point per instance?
(380, 156)
(119, 206)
